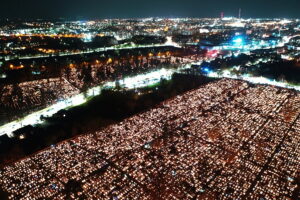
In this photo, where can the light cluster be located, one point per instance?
(36, 93)
(225, 140)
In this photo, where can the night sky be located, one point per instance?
(87, 9)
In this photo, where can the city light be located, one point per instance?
(238, 41)
(150, 108)
(206, 70)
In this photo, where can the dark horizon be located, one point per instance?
(92, 9)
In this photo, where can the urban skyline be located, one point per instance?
(92, 9)
(158, 100)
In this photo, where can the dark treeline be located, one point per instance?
(52, 66)
(110, 107)
(282, 71)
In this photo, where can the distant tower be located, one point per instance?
(222, 15)
(240, 13)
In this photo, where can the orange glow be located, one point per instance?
(16, 67)
(101, 34)
(46, 50)
(109, 61)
